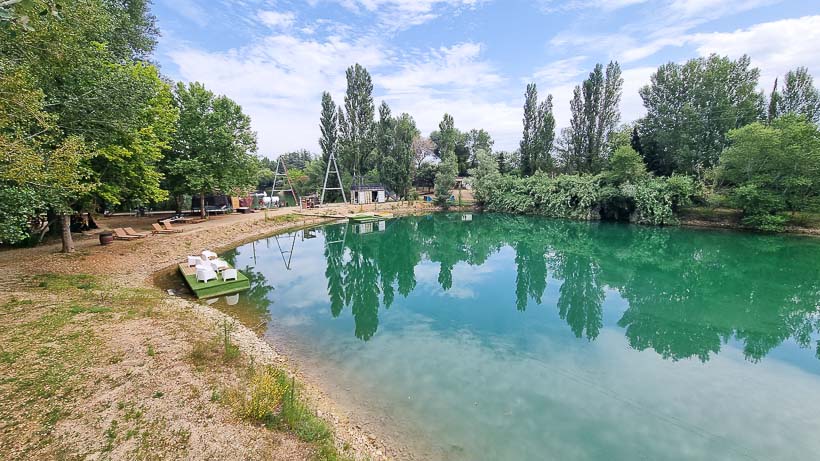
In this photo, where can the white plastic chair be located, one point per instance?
(220, 265)
(208, 255)
(204, 274)
(194, 261)
(229, 274)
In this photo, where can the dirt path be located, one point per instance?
(97, 363)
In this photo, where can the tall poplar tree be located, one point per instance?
(356, 122)
(329, 125)
(528, 137)
(385, 139)
(545, 136)
(800, 96)
(448, 168)
(595, 114)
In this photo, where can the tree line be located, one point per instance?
(709, 137)
(87, 121)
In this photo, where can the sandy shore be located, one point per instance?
(212, 432)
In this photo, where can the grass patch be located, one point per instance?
(66, 281)
(271, 398)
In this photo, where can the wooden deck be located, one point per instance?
(213, 288)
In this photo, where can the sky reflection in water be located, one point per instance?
(501, 337)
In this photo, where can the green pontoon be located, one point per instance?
(369, 217)
(213, 288)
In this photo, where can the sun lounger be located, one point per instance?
(120, 234)
(160, 230)
(167, 226)
(131, 231)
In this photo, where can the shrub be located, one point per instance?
(263, 398)
(649, 200)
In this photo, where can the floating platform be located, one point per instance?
(213, 288)
(369, 217)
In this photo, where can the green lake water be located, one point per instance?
(496, 337)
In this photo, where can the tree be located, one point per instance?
(423, 148)
(103, 117)
(773, 168)
(484, 173)
(528, 138)
(626, 166)
(799, 95)
(690, 109)
(298, 159)
(545, 136)
(329, 126)
(477, 141)
(584, 145)
(356, 122)
(448, 168)
(385, 138)
(214, 146)
(398, 165)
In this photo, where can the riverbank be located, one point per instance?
(97, 362)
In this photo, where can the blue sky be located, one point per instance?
(471, 58)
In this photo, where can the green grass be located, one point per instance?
(271, 398)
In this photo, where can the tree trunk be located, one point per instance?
(65, 225)
(178, 202)
(202, 212)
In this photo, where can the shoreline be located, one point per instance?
(132, 265)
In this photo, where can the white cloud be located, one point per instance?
(775, 47)
(559, 72)
(276, 19)
(402, 14)
(605, 5)
(278, 80)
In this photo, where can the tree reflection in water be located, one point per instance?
(688, 292)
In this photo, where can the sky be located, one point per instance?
(470, 58)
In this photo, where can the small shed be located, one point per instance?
(362, 194)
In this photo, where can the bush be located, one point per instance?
(648, 201)
(263, 399)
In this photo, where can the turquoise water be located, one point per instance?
(480, 336)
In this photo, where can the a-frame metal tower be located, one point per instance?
(331, 163)
(285, 181)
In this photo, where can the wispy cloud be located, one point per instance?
(402, 14)
(276, 18)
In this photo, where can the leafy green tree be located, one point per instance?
(773, 168)
(385, 139)
(214, 147)
(448, 168)
(691, 108)
(103, 116)
(545, 136)
(356, 122)
(585, 144)
(478, 140)
(626, 166)
(799, 96)
(528, 138)
(329, 125)
(298, 159)
(399, 164)
(484, 174)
